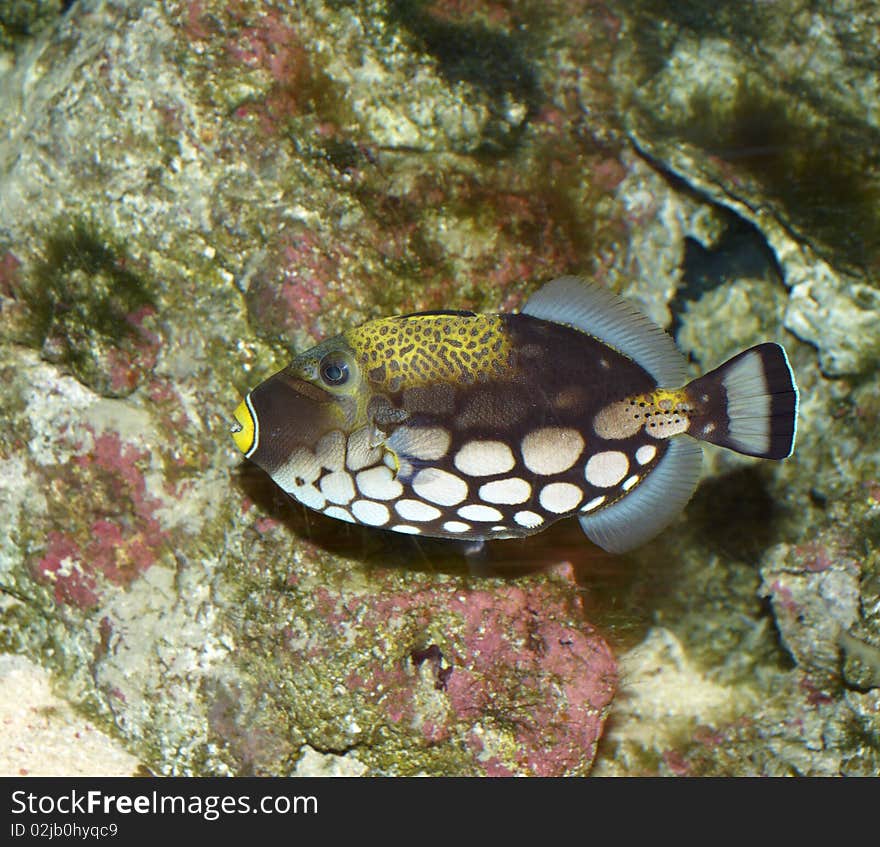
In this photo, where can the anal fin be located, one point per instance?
(652, 505)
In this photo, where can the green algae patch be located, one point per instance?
(89, 311)
(712, 86)
(20, 20)
(812, 165)
(493, 61)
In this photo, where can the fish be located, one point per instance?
(477, 427)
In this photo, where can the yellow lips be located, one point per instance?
(244, 434)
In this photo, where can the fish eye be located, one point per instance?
(334, 369)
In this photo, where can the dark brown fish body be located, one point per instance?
(472, 426)
(546, 416)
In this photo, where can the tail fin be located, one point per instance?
(749, 404)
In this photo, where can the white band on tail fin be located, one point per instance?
(749, 404)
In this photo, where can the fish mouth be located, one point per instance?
(244, 430)
(281, 414)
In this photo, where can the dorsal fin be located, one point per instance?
(574, 301)
(652, 505)
(433, 313)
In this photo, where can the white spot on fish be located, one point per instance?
(667, 426)
(475, 512)
(456, 526)
(309, 496)
(484, 458)
(618, 420)
(368, 512)
(645, 453)
(339, 514)
(428, 443)
(301, 467)
(560, 497)
(630, 482)
(361, 453)
(338, 487)
(607, 468)
(405, 528)
(509, 491)
(528, 519)
(552, 449)
(416, 510)
(379, 482)
(440, 487)
(594, 503)
(331, 451)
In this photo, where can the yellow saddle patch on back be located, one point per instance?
(417, 350)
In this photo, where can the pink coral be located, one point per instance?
(61, 566)
(9, 267)
(119, 536)
(512, 663)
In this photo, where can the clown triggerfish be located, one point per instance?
(485, 426)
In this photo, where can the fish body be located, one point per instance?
(474, 426)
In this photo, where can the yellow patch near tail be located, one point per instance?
(418, 350)
(661, 413)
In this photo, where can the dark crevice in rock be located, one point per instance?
(742, 252)
(492, 61)
(335, 751)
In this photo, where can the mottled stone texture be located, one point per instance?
(773, 117)
(190, 191)
(773, 112)
(22, 19)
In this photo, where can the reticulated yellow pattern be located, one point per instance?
(416, 350)
(664, 399)
(663, 412)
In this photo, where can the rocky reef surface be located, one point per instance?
(191, 191)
